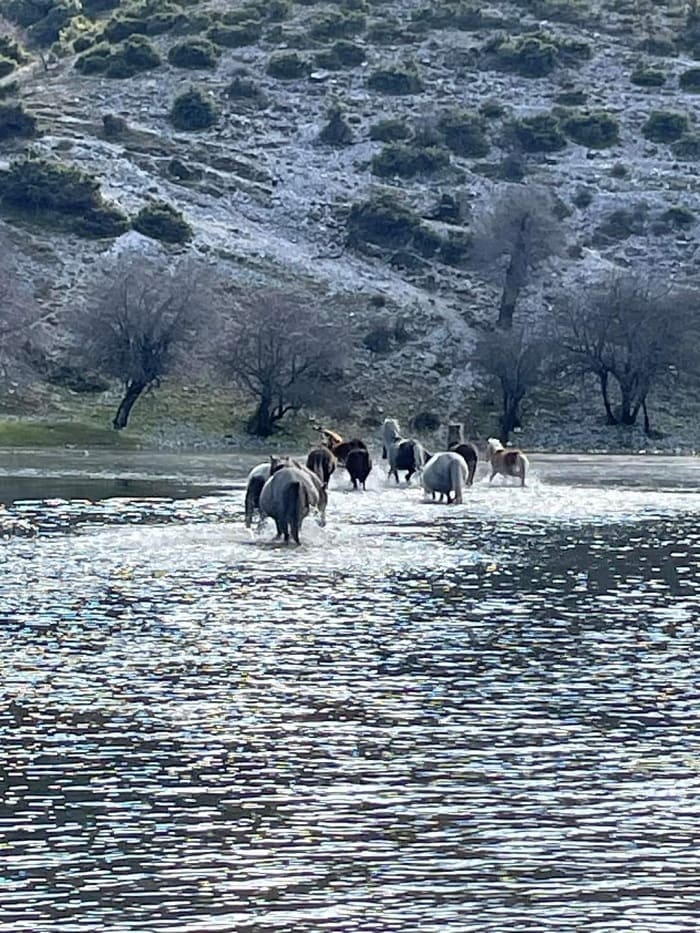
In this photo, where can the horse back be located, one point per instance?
(358, 464)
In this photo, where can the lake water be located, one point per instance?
(448, 719)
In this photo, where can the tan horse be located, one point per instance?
(510, 462)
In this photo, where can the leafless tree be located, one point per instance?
(284, 352)
(516, 360)
(20, 316)
(512, 238)
(632, 333)
(141, 321)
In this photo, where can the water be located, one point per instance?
(454, 719)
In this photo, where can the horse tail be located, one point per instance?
(252, 498)
(456, 480)
(293, 509)
(523, 463)
(383, 452)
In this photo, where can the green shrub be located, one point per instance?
(234, 37)
(583, 198)
(194, 53)
(571, 98)
(121, 27)
(193, 110)
(648, 77)
(161, 221)
(8, 89)
(540, 133)
(93, 7)
(680, 217)
(687, 148)
(383, 221)
(464, 132)
(690, 81)
(334, 25)
(660, 45)
(395, 80)
(113, 127)
(135, 55)
(342, 54)
(492, 110)
(619, 170)
(10, 49)
(389, 32)
(623, 223)
(16, 122)
(662, 126)
(455, 249)
(37, 185)
(390, 131)
(288, 66)
(528, 56)
(46, 29)
(596, 130)
(456, 14)
(407, 161)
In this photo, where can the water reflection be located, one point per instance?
(468, 719)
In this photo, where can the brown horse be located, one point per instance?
(340, 448)
(512, 462)
(469, 454)
(321, 462)
(358, 464)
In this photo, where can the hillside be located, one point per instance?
(437, 106)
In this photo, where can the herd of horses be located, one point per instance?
(287, 490)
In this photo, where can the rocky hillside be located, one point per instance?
(348, 149)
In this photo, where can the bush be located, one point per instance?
(571, 98)
(619, 170)
(121, 27)
(241, 87)
(679, 217)
(583, 198)
(46, 30)
(623, 223)
(690, 81)
(464, 133)
(663, 126)
(455, 249)
(492, 110)
(648, 77)
(334, 25)
(395, 81)
(456, 14)
(528, 56)
(113, 126)
(33, 185)
(390, 131)
(194, 53)
(342, 54)
(135, 55)
(16, 122)
(383, 221)
(193, 110)
(7, 66)
(11, 50)
(540, 133)
(426, 421)
(658, 45)
(234, 37)
(407, 161)
(161, 221)
(687, 148)
(596, 130)
(288, 66)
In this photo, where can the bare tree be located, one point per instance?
(512, 238)
(20, 316)
(516, 360)
(632, 333)
(284, 352)
(141, 322)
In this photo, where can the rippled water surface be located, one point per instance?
(426, 718)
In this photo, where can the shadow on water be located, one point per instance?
(440, 719)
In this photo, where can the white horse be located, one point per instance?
(512, 462)
(446, 473)
(289, 495)
(402, 453)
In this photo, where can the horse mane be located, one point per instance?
(494, 444)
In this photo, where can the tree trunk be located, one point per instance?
(647, 422)
(610, 417)
(261, 423)
(510, 418)
(628, 414)
(133, 390)
(516, 273)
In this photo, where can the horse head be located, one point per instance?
(493, 446)
(390, 434)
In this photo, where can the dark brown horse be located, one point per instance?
(469, 454)
(340, 448)
(358, 464)
(321, 462)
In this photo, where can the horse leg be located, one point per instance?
(472, 471)
(493, 473)
(409, 474)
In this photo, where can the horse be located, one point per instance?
(257, 478)
(511, 462)
(340, 448)
(470, 455)
(402, 453)
(358, 464)
(322, 462)
(288, 496)
(445, 473)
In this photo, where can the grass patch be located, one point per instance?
(18, 433)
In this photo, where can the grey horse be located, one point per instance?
(402, 453)
(288, 496)
(446, 473)
(257, 478)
